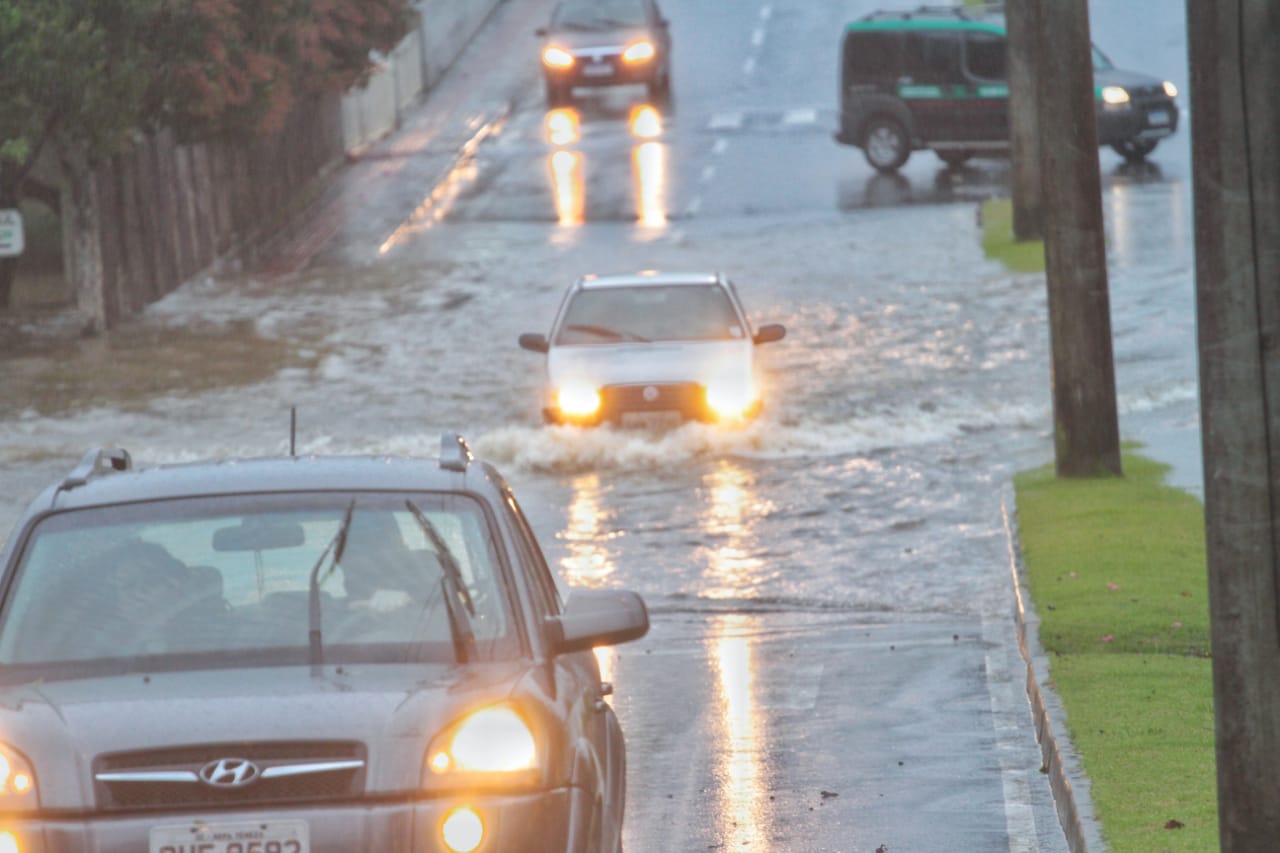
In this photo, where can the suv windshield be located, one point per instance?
(227, 581)
(606, 315)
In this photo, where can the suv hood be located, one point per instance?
(394, 709)
(617, 37)
(1127, 79)
(639, 363)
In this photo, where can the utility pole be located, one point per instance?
(1235, 122)
(1022, 22)
(1085, 422)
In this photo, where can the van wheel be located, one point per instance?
(1134, 150)
(885, 144)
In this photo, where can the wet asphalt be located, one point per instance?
(832, 664)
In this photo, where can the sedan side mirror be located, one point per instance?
(600, 617)
(769, 333)
(534, 342)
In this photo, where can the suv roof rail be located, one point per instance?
(965, 13)
(455, 455)
(99, 460)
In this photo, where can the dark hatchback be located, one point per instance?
(301, 655)
(936, 78)
(593, 43)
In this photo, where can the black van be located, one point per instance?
(935, 77)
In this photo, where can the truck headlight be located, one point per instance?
(492, 745)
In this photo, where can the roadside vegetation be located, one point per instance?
(1116, 568)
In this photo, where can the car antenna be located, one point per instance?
(293, 430)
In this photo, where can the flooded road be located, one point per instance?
(832, 653)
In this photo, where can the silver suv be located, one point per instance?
(300, 655)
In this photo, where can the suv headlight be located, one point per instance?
(1115, 95)
(491, 746)
(17, 780)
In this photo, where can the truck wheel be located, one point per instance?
(885, 144)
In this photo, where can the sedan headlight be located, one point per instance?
(17, 780)
(639, 51)
(578, 399)
(1170, 89)
(731, 399)
(557, 57)
(493, 745)
(1115, 95)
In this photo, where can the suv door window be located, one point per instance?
(985, 56)
(872, 57)
(930, 56)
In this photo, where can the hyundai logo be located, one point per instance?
(229, 773)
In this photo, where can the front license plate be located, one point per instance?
(597, 69)
(281, 836)
(651, 420)
(1158, 117)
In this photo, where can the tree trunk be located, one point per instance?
(1086, 423)
(82, 220)
(1235, 121)
(1022, 18)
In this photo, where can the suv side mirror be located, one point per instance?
(769, 333)
(534, 342)
(600, 617)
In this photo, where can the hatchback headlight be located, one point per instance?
(17, 780)
(639, 51)
(493, 745)
(1115, 95)
(730, 399)
(578, 399)
(557, 57)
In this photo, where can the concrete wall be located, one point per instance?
(444, 29)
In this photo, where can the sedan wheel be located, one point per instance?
(1134, 150)
(885, 144)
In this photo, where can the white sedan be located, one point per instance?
(628, 347)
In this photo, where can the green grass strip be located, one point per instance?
(997, 238)
(1116, 568)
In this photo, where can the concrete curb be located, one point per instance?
(1067, 780)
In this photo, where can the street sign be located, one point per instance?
(11, 236)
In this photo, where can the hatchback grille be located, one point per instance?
(288, 772)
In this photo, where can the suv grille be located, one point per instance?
(289, 772)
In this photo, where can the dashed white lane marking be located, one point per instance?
(795, 117)
(749, 67)
(708, 172)
(757, 37)
(766, 12)
(719, 146)
(695, 204)
(725, 121)
(1007, 709)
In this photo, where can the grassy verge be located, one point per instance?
(997, 238)
(1117, 570)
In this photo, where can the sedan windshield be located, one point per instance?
(599, 14)
(610, 315)
(216, 582)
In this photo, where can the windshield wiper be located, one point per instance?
(338, 545)
(457, 600)
(606, 332)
